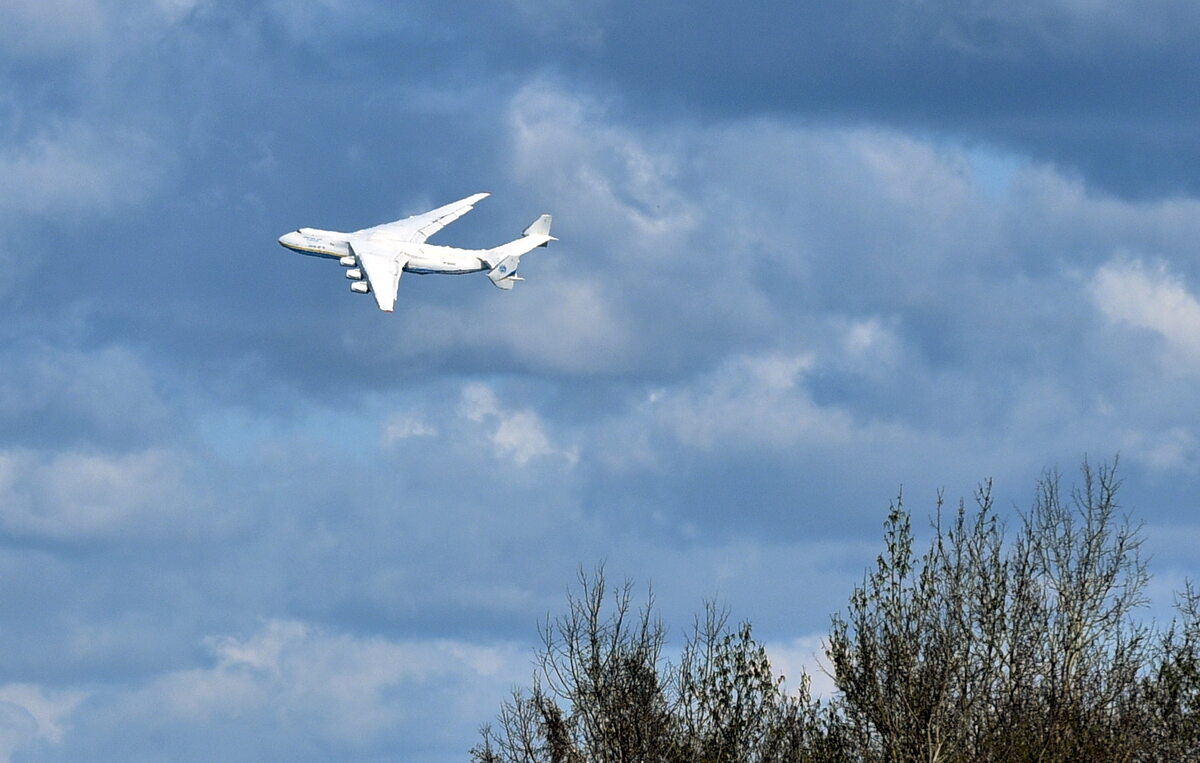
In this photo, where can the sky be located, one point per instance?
(811, 255)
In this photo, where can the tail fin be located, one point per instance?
(537, 234)
(539, 227)
(506, 258)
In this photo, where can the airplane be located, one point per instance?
(375, 258)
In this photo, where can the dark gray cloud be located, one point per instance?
(1098, 90)
(809, 254)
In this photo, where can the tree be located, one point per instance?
(987, 647)
(603, 692)
(987, 650)
(731, 706)
(1172, 688)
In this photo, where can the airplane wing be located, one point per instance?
(383, 266)
(420, 227)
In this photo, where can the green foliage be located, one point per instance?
(984, 648)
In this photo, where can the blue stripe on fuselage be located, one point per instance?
(429, 271)
(312, 252)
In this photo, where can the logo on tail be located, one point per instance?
(506, 258)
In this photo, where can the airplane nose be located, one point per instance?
(286, 239)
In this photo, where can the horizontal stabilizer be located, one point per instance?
(507, 283)
(505, 272)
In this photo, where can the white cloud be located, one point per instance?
(478, 402)
(30, 713)
(577, 20)
(521, 436)
(175, 11)
(909, 264)
(321, 20)
(106, 393)
(49, 27)
(692, 237)
(588, 333)
(1013, 28)
(404, 426)
(715, 278)
(52, 28)
(804, 655)
(81, 495)
(751, 401)
(1150, 297)
(518, 434)
(562, 325)
(680, 239)
(629, 188)
(869, 346)
(1174, 448)
(300, 679)
(77, 169)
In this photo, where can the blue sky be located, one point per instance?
(810, 253)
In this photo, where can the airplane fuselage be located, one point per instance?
(420, 258)
(375, 258)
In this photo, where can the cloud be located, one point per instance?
(893, 263)
(1015, 31)
(49, 27)
(700, 237)
(55, 28)
(518, 435)
(30, 714)
(313, 21)
(589, 332)
(175, 11)
(403, 426)
(577, 20)
(754, 401)
(61, 177)
(870, 347)
(1171, 449)
(803, 656)
(307, 688)
(787, 283)
(1151, 298)
(80, 495)
(629, 188)
(1072, 83)
(100, 396)
(76, 169)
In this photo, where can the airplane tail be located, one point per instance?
(539, 227)
(505, 259)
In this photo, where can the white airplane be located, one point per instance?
(375, 258)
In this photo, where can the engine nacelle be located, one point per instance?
(348, 261)
(354, 274)
(360, 287)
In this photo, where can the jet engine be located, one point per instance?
(348, 261)
(360, 287)
(354, 274)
